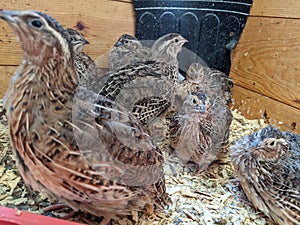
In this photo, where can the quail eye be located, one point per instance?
(194, 101)
(272, 143)
(126, 41)
(36, 23)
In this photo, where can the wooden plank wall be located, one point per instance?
(103, 22)
(265, 63)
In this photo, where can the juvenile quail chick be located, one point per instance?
(77, 41)
(57, 126)
(199, 130)
(214, 83)
(166, 48)
(267, 163)
(85, 66)
(127, 50)
(146, 89)
(147, 95)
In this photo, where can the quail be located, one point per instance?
(127, 50)
(166, 48)
(85, 66)
(77, 40)
(146, 89)
(58, 130)
(213, 83)
(267, 163)
(199, 130)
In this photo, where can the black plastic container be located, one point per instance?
(212, 27)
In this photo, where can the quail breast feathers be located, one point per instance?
(199, 130)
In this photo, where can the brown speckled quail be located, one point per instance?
(77, 41)
(127, 50)
(267, 163)
(85, 66)
(147, 88)
(56, 127)
(199, 130)
(166, 48)
(213, 83)
(141, 86)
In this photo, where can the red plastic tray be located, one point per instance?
(10, 216)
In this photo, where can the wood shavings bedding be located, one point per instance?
(213, 197)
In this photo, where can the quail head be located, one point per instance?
(199, 130)
(56, 127)
(85, 66)
(166, 48)
(127, 50)
(267, 163)
(213, 83)
(77, 41)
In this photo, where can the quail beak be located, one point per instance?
(119, 43)
(201, 108)
(84, 41)
(184, 40)
(9, 16)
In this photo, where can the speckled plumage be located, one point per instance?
(127, 50)
(267, 163)
(85, 66)
(50, 118)
(199, 130)
(146, 88)
(213, 83)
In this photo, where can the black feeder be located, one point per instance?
(213, 27)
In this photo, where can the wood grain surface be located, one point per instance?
(257, 106)
(276, 8)
(267, 59)
(101, 22)
(5, 75)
